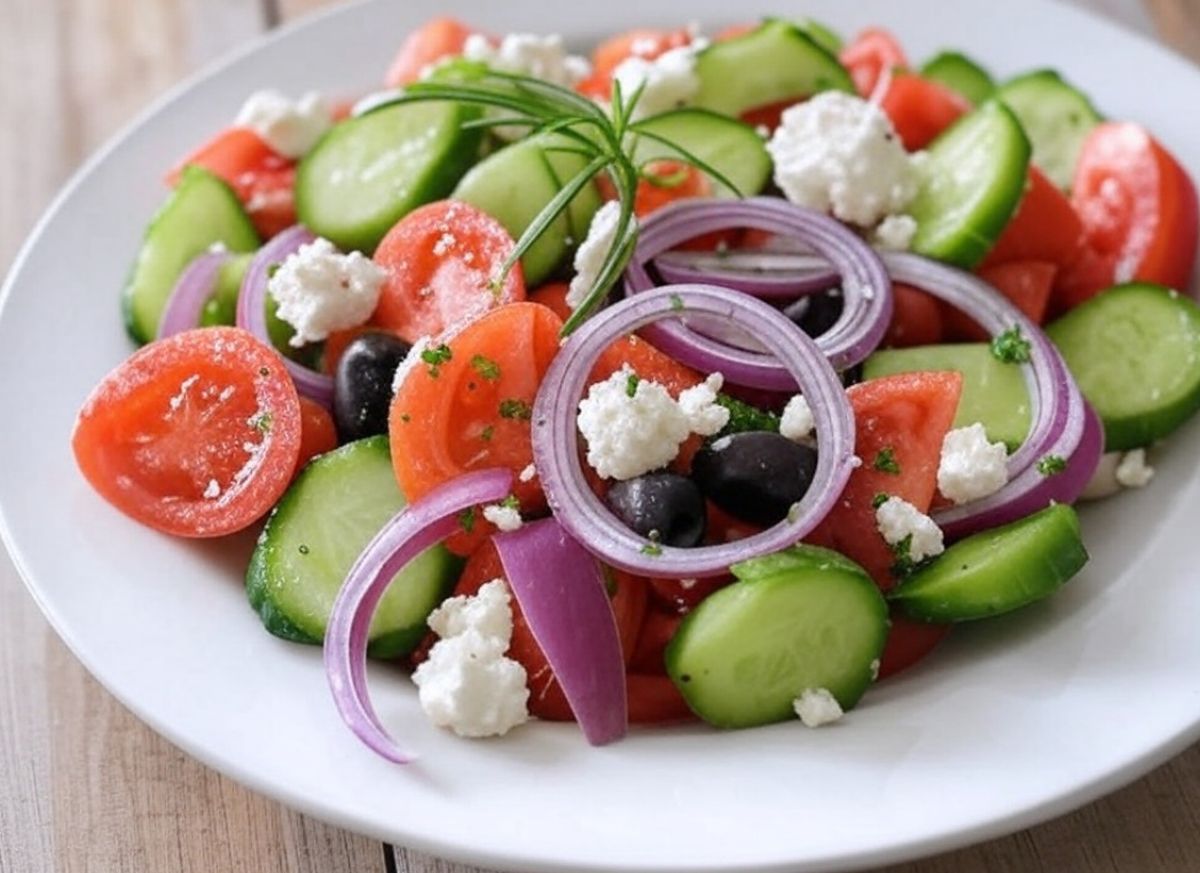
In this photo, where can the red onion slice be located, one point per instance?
(752, 273)
(414, 529)
(192, 290)
(556, 443)
(252, 311)
(563, 596)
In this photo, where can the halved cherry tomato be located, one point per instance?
(440, 260)
(195, 435)
(908, 414)
(1046, 227)
(872, 51)
(438, 38)
(336, 343)
(920, 109)
(656, 631)
(318, 434)
(908, 641)
(1139, 213)
(554, 297)
(916, 318)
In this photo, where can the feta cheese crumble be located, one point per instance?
(898, 520)
(468, 684)
(290, 128)
(632, 426)
(838, 153)
(1133, 471)
(320, 290)
(971, 467)
(589, 257)
(527, 474)
(527, 54)
(669, 81)
(895, 233)
(816, 707)
(797, 422)
(505, 518)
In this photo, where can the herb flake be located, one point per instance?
(1052, 465)
(885, 461)
(631, 384)
(466, 519)
(1011, 347)
(434, 357)
(515, 409)
(485, 367)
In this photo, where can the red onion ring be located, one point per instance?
(751, 273)
(563, 596)
(192, 290)
(414, 529)
(252, 311)
(556, 443)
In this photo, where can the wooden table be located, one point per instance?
(84, 786)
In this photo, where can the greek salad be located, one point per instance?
(707, 377)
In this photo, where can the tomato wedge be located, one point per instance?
(872, 52)
(920, 109)
(436, 39)
(916, 318)
(1027, 284)
(1046, 227)
(908, 414)
(440, 260)
(908, 641)
(318, 434)
(195, 435)
(644, 42)
(1139, 212)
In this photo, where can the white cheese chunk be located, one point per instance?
(895, 233)
(898, 520)
(505, 518)
(971, 467)
(699, 406)
(528, 54)
(320, 290)
(289, 127)
(589, 257)
(669, 81)
(797, 422)
(631, 426)
(816, 707)
(1133, 471)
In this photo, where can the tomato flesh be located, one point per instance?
(871, 53)
(1046, 227)
(437, 39)
(920, 109)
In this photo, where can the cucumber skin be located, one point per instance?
(931, 595)
(961, 75)
(1135, 428)
(273, 620)
(1062, 173)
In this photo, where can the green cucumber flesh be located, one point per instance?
(777, 61)
(566, 166)
(733, 149)
(812, 620)
(1057, 117)
(971, 183)
(994, 393)
(369, 172)
(822, 34)
(1135, 352)
(961, 75)
(201, 212)
(998, 570)
(326, 518)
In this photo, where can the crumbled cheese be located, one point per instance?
(971, 467)
(320, 290)
(290, 128)
(898, 520)
(589, 257)
(895, 233)
(816, 707)
(1133, 471)
(527, 54)
(410, 360)
(669, 81)
(797, 422)
(699, 406)
(468, 684)
(875, 669)
(527, 474)
(505, 518)
(445, 243)
(838, 153)
(213, 491)
(630, 435)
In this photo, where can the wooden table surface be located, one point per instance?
(84, 786)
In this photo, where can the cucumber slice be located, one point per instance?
(565, 166)
(730, 147)
(326, 518)
(201, 212)
(998, 570)
(961, 75)
(777, 61)
(368, 172)
(971, 183)
(994, 393)
(822, 34)
(221, 308)
(805, 618)
(1056, 116)
(1135, 352)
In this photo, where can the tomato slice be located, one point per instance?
(1027, 284)
(438, 38)
(920, 109)
(872, 51)
(642, 42)
(1139, 212)
(1046, 227)
(440, 260)
(909, 414)
(908, 641)
(195, 435)
(916, 318)
(318, 434)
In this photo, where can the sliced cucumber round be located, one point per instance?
(777, 61)
(201, 212)
(998, 570)
(1057, 117)
(1135, 352)
(807, 618)
(971, 183)
(326, 518)
(370, 171)
(733, 149)
(961, 75)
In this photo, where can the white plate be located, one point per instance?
(1014, 721)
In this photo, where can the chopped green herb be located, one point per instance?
(516, 409)
(652, 549)
(486, 433)
(511, 502)
(272, 269)
(1010, 347)
(466, 519)
(879, 499)
(676, 302)
(743, 417)
(435, 356)
(885, 461)
(631, 384)
(1051, 465)
(262, 422)
(486, 367)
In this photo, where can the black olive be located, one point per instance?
(821, 313)
(362, 385)
(664, 507)
(755, 476)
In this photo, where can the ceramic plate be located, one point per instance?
(1016, 720)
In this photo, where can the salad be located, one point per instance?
(706, 377)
